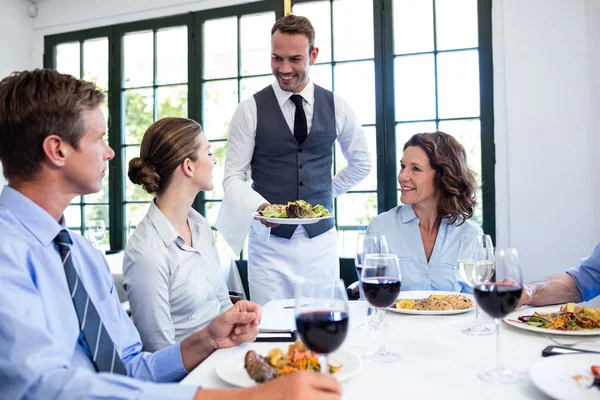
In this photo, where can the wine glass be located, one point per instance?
(380, 281)
(96, 232)
(321, 312)
(498, 299)
(476, 258)
(368, 243)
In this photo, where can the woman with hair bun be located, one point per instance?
(438, 196)
(171, 268)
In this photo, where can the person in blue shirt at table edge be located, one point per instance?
(438, 196)
(52, 150)
(580, 283)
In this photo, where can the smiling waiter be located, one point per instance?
(285, 133)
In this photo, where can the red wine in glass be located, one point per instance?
(498, 299)
(322, 331)
(381, 292)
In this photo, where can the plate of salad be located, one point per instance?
(297, 212)
(568, 319)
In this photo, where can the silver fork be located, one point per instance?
(571, 344)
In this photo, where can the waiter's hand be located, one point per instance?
(264, 221)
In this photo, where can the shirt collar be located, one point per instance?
(308, 93)
(164, 228)
(407, 213)
(33, 217)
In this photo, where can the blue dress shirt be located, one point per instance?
(40, 355)
(400, 226)
(587, 275)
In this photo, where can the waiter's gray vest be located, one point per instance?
(283, 171)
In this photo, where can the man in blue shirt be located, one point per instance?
(63, 332)
(578, 283)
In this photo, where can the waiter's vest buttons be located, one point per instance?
(299, 150)
(300, 166)
(300, 183)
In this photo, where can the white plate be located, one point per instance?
(513, 320)
(233, 372)
(553, 376)
(422, 294)
(291, 221)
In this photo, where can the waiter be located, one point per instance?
(285, 133)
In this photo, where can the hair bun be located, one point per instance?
(144, 174)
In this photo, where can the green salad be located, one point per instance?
(295, 209)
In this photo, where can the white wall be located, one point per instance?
(547, 175)
(546, 54)
(15, 41)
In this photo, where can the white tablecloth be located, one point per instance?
(438, 360)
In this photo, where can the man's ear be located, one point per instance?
(56, 150)
(313, 55)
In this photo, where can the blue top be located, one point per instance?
(587, 275)
(40, 356)
(400, 226)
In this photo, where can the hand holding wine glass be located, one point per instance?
(476, 262)
(381, 281)
(96, 231)
(498, 299)
(322, 316)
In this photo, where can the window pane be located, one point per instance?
(132, 191)
(73, 217)
(220, 48)
(138, 54)
(370, 182)
(361, 101)
(319, 14)
(172, 55)
(356, 209)
(76, 200)
(95, 62)
(352, 29)
(456, 24)
(458, 84)
(212, 210)
(249, 86)
(220, 101)
(255, 33)
(102, 195)
(414, 88)
(219, 149)
(68, 59)
(347, 243)
(93, 213)
(134, 213)
(321, 75)
(413, 26)
(172, 101)
(139, 113)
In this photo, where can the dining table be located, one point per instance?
(437, 360)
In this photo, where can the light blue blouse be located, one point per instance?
(400, 226)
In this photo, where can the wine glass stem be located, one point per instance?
(499, 366)
(476, 313)
(380, 313)
(324, 363)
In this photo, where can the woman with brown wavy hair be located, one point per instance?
(438, 196)
(171, 268)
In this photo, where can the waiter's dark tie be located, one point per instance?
(100, 345)
(300, 126)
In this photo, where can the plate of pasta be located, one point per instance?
(255, 363)
(426, 302)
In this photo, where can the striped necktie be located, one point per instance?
(101, 347)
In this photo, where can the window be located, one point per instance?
(404, 66)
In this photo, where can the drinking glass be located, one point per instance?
(96, 232)
(498, 299)
(368, 243)
(321, 312)
(476, 259)
(380, 281)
